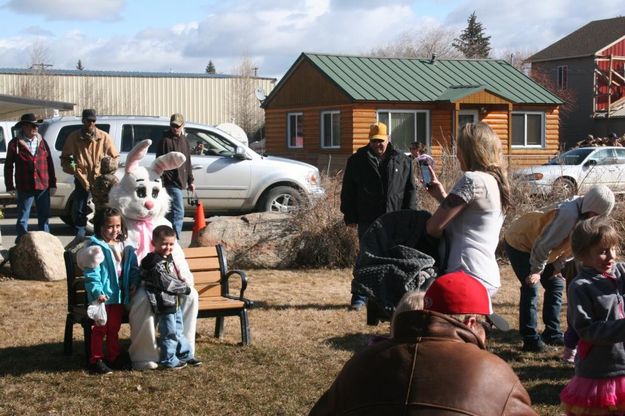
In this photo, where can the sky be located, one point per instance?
(183, 35)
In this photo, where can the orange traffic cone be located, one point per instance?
(199, 222)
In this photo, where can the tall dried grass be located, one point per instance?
(321, 238)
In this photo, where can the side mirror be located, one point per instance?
(239, 153)
(589, 163)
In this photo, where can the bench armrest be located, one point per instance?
(243, 277)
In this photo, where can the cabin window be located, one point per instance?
(563, 77)
(331, 129)
(295, 130)
(405, 127)
(528, 129)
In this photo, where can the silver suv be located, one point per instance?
(229, 176)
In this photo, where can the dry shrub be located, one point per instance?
(321, 237)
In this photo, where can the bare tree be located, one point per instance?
(420, 44)
(517, 58)
(246, 112)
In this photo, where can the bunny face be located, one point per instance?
(140, 194)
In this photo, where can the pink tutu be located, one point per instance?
(594, 396)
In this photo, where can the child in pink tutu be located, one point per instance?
(596, 313)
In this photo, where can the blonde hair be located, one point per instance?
(591, 233)
(411, 301)
(480, 149)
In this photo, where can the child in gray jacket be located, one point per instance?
(595, 311)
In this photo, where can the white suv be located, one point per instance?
(229, 177)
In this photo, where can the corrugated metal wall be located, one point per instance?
(201, 99)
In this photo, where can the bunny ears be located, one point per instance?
(171, 160)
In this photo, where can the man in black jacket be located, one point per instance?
(176, 180)
(378, 179)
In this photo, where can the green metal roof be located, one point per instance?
(424, 80)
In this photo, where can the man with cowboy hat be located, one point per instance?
(378, 179)
(28, 155)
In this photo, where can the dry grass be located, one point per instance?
(302, 335)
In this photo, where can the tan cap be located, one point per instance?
(378, 131)
(176, 119)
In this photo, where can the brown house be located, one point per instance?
(588, 65)
(321, 110)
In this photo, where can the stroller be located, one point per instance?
(396, 256)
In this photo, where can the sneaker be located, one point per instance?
(568, 356)
(356, 306)
(178, 366)
(194, 362)
(534, 346)
(557, 341)
(101, 368)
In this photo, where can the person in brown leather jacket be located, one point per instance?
(434, 364)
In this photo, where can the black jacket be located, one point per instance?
(161, 284)
(370, 191)
(182, 177)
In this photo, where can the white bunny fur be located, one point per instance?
(143, 202)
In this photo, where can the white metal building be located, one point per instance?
(201, 97)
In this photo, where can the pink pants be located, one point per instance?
(110, 330)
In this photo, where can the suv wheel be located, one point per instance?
(281, 199)
(564, 187)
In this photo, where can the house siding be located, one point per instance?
(575, 121)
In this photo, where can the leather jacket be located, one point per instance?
(434, 365)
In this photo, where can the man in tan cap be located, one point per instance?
(378, 179)
(176, 180)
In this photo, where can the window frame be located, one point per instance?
(415, 112)
(562, 77)
(543, 133)
(288, 129)
(321, 137)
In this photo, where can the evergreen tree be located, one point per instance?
(472, 41)
(210, 68)
(79, 65)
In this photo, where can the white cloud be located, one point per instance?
(102, 10)
(274, 32)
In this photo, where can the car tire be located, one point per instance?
(281, 199)
(564, 187)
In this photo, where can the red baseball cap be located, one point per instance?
(459, 293)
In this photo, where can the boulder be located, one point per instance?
(256, 240)
(38, 256)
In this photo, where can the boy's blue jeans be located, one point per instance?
(528, 304)
(174, 345)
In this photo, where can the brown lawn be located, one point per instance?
(302, 334)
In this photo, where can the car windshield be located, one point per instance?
(572, 157)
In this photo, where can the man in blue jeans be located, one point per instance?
(538, 247)
(176, 180)
(35, 180)
(82, 154)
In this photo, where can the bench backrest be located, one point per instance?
(207, 266)
(76, 295)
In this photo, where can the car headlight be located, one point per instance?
(313, 178)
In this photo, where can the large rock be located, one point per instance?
(256, 240)
(38, 256)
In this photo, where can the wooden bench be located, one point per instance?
(211, 276)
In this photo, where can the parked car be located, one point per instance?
(229, 177)
(576, 170)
